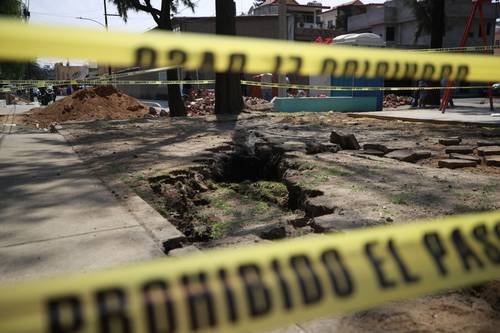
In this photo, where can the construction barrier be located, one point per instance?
(264, 286)
(238, 54)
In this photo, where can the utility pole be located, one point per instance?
(283, 34)
(106, 24)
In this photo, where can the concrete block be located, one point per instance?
(466, 157)
(493, 161)
(488, 150)
(459, 150)
(452, 141)
(456, 164)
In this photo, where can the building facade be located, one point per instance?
(397, 24)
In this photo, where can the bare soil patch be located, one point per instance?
(226, 182)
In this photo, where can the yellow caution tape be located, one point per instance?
(346, 88)
(265, 286)
(238, 54)
(45, 83)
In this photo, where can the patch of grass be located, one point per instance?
(261, 207)
(400, 199)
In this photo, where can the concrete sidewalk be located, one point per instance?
(56, 217)
(468, 111)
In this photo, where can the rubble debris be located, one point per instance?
(99, 103)
(54, 127)
(163, 113)
(492, 161)
(152, 111)
(318, 148)
(456, 163)
(346, 141)
(488, 150)
(466, 157)
(459, 149)
(393, 101)
(258, 104)
(203, 105)
(453, 141)
(407, 155)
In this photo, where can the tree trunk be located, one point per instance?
(175, 102)
(437, 33)
(228, 95)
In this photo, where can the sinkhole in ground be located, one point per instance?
(232, 193)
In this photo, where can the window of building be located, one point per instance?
(488, 28)
(331, 24)
(309, 18)
(390, 34)
(497, 42)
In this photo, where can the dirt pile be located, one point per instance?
(393, 101)
(99, 103)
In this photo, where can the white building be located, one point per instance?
(396, 23)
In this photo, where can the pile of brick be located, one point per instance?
(393, 101)
(203, 105)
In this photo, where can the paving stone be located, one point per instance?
(318, 147)
(346, 141)
(482, 143)
(493, 161)
(491, 133)
(373, 152)
(269, 231)
(378, 146)
(182, 251)
(459, 149)
(335, 222)
(452, 141)
(466, 157)
(291, 146)
(407, 155)
(456, 163)
(488, 150)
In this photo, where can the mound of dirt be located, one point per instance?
(99, 103)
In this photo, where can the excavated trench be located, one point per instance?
(237, 192)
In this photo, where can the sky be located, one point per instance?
(65, 12)
(81, 12)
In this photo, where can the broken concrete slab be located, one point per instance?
(491, 133)
(318, 148)
(182, 251)
(407, 155)
(268, 231)
(372, 152)
(232, 242)
(456, 164)
(320, 205)
(335, 222)
(488, 150)
(493, 161)
(289, 146)
(378, 146)
(482, 143)
(459, 150)
(451, 141)
(466, 157)
(346, 141)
